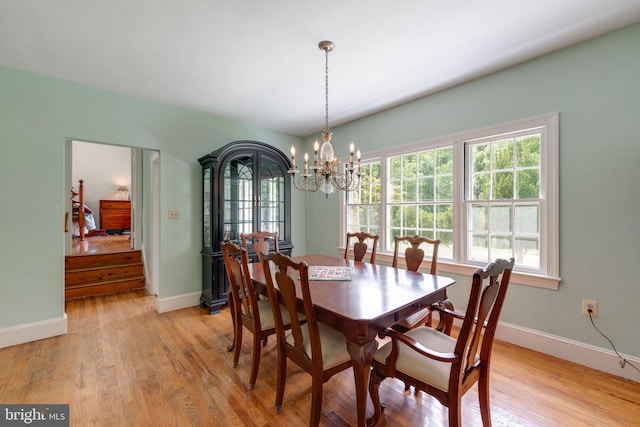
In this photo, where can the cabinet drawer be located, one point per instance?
(115, 225)
(115, 214)
(109, 221)
(115, 204)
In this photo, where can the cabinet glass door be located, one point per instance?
(206, 208)
(238, 200)
(272, 197)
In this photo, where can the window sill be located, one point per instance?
(526, 279)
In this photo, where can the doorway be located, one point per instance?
(105, 169)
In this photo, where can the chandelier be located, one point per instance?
(325, 174)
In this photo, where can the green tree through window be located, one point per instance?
(487, 193)
(505, 199)
(420, 198)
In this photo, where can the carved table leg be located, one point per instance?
(361, 357)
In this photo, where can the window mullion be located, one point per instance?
(382, 214)
(461, 187)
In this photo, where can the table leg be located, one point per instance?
(361, 357)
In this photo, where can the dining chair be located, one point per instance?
(360, 247)
(441, 365)
(247, 311)
(414, 256)
(318, 349)
(260, 241)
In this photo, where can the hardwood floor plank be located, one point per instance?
(101, 244)
(122, 363)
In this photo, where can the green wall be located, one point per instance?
(37, 115)
(595, 87)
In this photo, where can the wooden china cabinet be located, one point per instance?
(245, 188)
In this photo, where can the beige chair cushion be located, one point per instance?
(411, 320)
(266, 314)
(334, 345)
(418, 366)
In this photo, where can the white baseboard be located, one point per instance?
(21, 334)
(573, 351)
(179, 301)
(563, 348)
(33, 331)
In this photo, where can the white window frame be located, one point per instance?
(549, 206)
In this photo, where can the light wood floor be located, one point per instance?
(101, 244)
(123, 364)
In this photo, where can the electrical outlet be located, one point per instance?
(173, 214)
(590, 304)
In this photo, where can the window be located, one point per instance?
(503, 198)
(420, 197)
(363, 204)
(486, 194)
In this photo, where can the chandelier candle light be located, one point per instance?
(326, 176)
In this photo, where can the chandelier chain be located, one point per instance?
(326, 90)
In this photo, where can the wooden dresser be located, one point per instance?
(115, 214)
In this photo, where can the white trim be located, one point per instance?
(29, 332)
(517, 277)
(552, 195)
(35, 331)
(178, 302)
(153, 238)
(573, 351)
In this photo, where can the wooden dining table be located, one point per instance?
(374, 298)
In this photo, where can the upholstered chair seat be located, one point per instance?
(424, 369)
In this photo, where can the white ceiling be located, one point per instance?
(258, 61)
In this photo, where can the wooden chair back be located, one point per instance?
(260, 240)
(414, 254)
(244, 305)
(360, 246)
(286, 285)
(476, 335)
(304, 345)
(469, 358)
(241, 287)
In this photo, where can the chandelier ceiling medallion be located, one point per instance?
(325, 174)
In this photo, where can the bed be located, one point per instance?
(83, 222)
